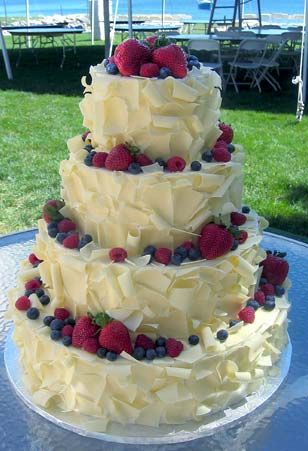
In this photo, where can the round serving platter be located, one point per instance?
(136, 434)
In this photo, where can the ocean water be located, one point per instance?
(11, 8)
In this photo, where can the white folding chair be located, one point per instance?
(270, 60)
(291, 51)
(248, 58)
(211, 47)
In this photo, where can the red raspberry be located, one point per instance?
(149, 70)
(67, 330)
(174, 347)
(91, 345)
(260, 297)
(83, 329)
(151, 41)
(247, 315)
(66, 225)
(176, 164)
(23, 303)
(238, 219)
(85, 135)
(117, 254)
(119, 158)
(144, 342)
(187, 245)
(221, 155)
(275, 269)
(163, 255)
(33, 259)
(99, 159)
(227, 133)
(61, 313)
(143, 160)
(32, 284)
(243, 236)
(268, 289)
(71, 241)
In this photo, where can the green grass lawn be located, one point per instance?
(39, 112)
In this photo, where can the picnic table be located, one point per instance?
(43, 36)
(144, 28)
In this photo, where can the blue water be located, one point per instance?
(189, 7)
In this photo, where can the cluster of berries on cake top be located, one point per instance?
(155, 57)
(126, 157)
(24, 302)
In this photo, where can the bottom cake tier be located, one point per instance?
(170, 390)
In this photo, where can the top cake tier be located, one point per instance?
(163, 117)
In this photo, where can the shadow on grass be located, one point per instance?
(47, 78)
(296, 224)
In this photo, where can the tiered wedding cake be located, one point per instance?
(144, 300)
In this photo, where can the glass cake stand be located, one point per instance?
(280, 423)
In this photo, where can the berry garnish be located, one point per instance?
(161, 341)
(227, 133)
(279, 290)
(71, 241)
(149, 250)
(115, 337)
(33, 313)
(23, 303)
(45, 299)
(194, 254)
(233, 322)
(55, 334)
(67, 330)
(56, 324)
(275, 269)
(61, 237)
(84, 136)
(243, 235)
(207, 156)
(259, 296)
(66, 225)
(163, 255)
(176, 259)
(84, 240)
(143, 160)
(160, 352)
(90, 345)
(134, 168)
(161, 162)
(84, 328)
(51, 210)
(119, 158)
(247, 315)
(237, 219)
(174, 347)
(269, 305)
(32, 284)
(69, 321)
(253, 303)
(101, 353)
(150, 354)
(195, 166)
(52, 229)
(149, 70)
(111, 356)
(164, 72)
(112, 69)
(268, 289)
(145, 342)
(66, 340)
(222, 335)
(130, 55)
(117, 254)
(61, 313)
(193, 340)
(215, 241)
(33, 259)
(221, 154)
(245, 210)
(172, 57)
(176, 164)
(99, 159)
(48, 319)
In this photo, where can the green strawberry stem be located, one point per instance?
(100, 319)
(134, 150)
(53, 213)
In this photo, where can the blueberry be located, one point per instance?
(181, 250)
(69, 322)
(164, 72)
(149, 250)
(192, 58)
(112, 69)
(189, 65)
(161, 162)
(270, 298)
(66, 340)
(55, 335)
(47, 320)
(150, 354)
(139, 353)
(134, 168)
(56, 324)
(222, 335)
(52, 229)
(45, 299)
(253, 303)
(112, 356)
(29, 292)
(194, 254)
(176, 259)
(231, 149)
(233, 322)
(39, 292)
(85, 239)
(195, 64)
(207, 156)
(193, 340)
(161, 341)
(52, 225)
(88, 148)
(269, 305)
(245, 209)
(33, 313)
(61, 237)
(234, 245)
(160, 351)
(279, 290)
(195, 166)
(88, 160)
(263, 281)
(101, 353)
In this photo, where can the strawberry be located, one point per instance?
(84, 328)
(119, 158)
(215, 241)
(268, 289)
(90, 345)
(23, 303)
(151, 40)
(172, 57)
(227, 133)
(130, 55)
(149, 70)
(32, 284)
(163, 255)
(117, 254)
(66, 225)
(221, 154)
(61, 313)
(211, 226)
(115, 337)
(84, 136)
(247, 315)
(33, 259)
(143, 160)
(99, 159)
(275, 269)
(187, 245)
(260, 297)
(144, 342)
(67, 331)
(51, 210)
(71, 241)
(174, 347)
(176, 164)
(243, 236)
(238, 219)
